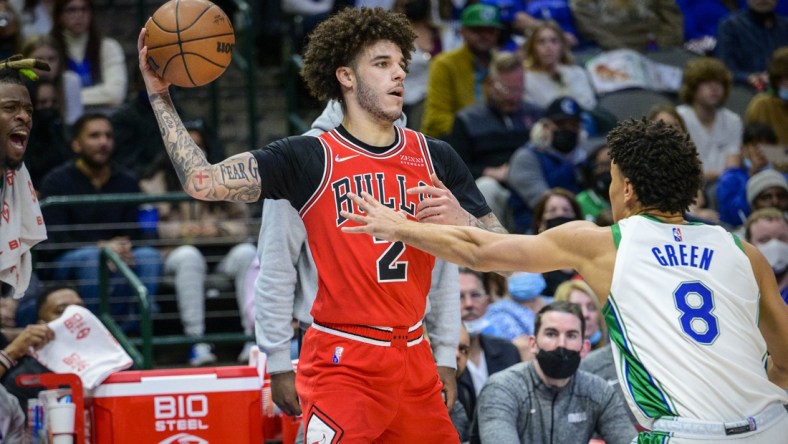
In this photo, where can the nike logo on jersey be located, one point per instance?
(338, 159)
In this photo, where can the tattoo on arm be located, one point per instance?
(487, 222)
(235, 179)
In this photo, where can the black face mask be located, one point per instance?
(602, 183)
(556, 221)
(564, 140)
(559, 363)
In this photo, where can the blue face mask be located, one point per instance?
(747, 163)
(783, 94)
(594, 339)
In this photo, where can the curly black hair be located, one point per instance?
(661, 162)
(339, 40)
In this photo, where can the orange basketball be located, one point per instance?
(190, 42)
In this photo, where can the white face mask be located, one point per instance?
(776, 252)
(476, 326)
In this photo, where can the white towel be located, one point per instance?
(21, 227)
(83, 346)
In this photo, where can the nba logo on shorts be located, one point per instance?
(677, 234)
(337, 354)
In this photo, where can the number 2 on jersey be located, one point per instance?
(695, 301)
(390, 269)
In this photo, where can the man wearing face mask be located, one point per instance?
(551, 159)
(548, 400)
(772, 107)
(487, 354)
(767, 229)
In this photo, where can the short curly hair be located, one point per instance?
(704, 69)
(339, 40)
(661, 162)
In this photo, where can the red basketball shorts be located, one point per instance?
(357, 392)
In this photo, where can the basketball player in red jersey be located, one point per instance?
(365, 373)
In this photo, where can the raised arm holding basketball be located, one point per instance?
(233, 179)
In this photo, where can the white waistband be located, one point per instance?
(371, 341)
(676, 424)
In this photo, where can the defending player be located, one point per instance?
(365, 374)
(686, 301)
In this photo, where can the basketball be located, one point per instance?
(190, 42)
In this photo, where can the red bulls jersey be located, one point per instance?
(362, 279)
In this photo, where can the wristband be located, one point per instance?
(6, 360)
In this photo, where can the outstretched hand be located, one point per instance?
(439, 206)
(380, 221)
(153, 82)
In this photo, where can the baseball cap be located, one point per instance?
(763, 180)
(480, 16)
(563, 108)
(525, 286)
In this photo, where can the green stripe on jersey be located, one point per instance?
(616, 234)
(653, 438)
(640, 384)
(737, 240)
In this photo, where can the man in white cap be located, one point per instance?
(768, 189)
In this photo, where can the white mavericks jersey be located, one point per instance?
(683, 316)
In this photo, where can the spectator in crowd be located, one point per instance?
(732, 186)
(594, 201)
(747, 39)
(99, 61)
(548, 399)
(577, 291)
(193, 231)
(10, 31)
(767, 229)
(550, 69)
(81, 231)
(772, 107)
(768, 189)
(551, 159)
(35, 16)
(715, 130)
(556, 207)
(459, 414)
(512, 318)
(457, 77)
(428, 44)
(641, 25)
(47, 146)
(666, 112)
(486, 134)
(49, 306)
(532, 14)
(488, 354)
(67, 82)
